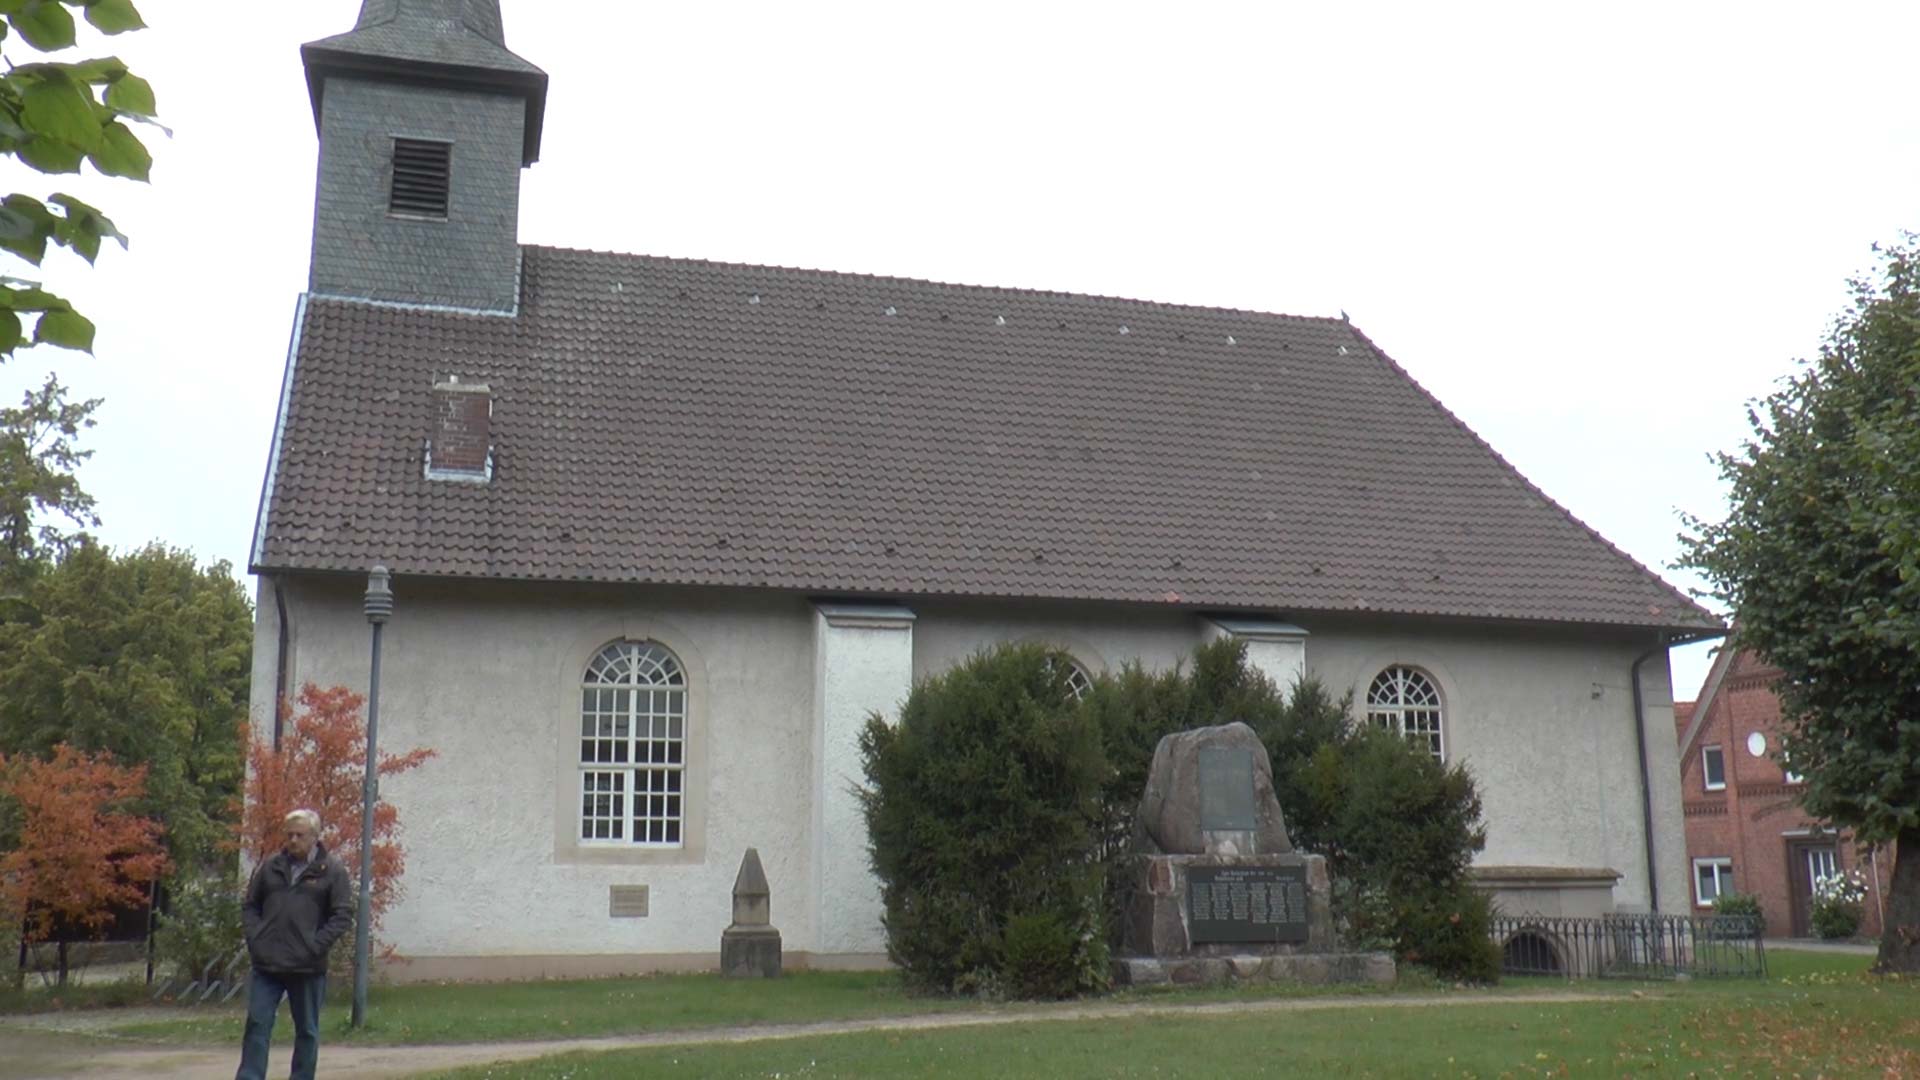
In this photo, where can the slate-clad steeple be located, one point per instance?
(425, 120)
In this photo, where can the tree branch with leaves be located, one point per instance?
(56, 115)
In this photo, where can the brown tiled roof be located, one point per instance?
(671, 421)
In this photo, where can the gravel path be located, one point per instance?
(34, 1047)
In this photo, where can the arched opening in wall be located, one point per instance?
(1531, 953)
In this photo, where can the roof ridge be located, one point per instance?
(1685, 600)
(1014, 290)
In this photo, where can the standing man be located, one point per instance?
(298, 904)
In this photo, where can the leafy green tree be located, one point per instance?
(37, 487)
(1819, 558)
(56, 115)
(145, 655)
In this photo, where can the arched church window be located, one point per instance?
(633, 746)
(1405, 700)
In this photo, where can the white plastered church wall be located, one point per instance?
(488, 675)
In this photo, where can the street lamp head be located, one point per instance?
(379, 604)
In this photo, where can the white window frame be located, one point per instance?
(1394, 708)
(1722, 868)
(631, 768)
(1822, 856)
(1079, 679)
(1706, 773)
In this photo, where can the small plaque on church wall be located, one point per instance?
(627, 901)
(1247, 903)
(1226, 789)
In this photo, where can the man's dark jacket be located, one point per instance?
(291, 924)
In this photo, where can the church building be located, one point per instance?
(664, 532)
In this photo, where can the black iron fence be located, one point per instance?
(1631, 946)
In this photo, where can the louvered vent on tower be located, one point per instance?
(421, 176)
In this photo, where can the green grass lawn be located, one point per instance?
(1816, 1015)
(493, 1012)
(1814, 1010)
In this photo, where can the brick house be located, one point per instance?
(1745, 830)
(665, 532)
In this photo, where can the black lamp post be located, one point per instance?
(379, 608)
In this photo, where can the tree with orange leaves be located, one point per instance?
(79, 857)
(318, 767)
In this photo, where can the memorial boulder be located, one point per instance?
(1218, 892)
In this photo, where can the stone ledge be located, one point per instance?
(1312, 968)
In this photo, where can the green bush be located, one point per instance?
(1839, 905)
(980, 808)
(1742, 906)
(1396, 822)
(1041, 957)
(201, 923)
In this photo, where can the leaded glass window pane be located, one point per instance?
(633, 709)
(1405, 700)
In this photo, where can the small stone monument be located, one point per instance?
(750, 948)
(1219, 893)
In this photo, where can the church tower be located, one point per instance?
(425, 121)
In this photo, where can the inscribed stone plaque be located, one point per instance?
(627, 901)
(1247, 903)
(1226, 789)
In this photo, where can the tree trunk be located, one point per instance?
(1900, 939)
(62, 950)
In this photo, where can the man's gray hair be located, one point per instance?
(305, 817)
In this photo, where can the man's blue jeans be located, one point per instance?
(303, 993)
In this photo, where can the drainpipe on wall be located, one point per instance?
(1646, 773)
(279, 661)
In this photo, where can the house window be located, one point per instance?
(1713, 768)
(1404, 700)
(1079, 683)
(1822, 863)
(633, 740)
(422, 178)
(1712, 879)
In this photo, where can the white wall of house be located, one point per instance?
(488, 675)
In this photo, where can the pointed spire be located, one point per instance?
(448, 43)
(479, 16)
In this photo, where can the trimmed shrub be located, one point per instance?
(980, 808)
(1742, 906)
(1042, 957)
(1398, 823)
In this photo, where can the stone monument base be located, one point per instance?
(1161, 920)
(1206, 920)
(1315, 968)
(748, 952)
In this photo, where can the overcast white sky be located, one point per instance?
(1592, 231)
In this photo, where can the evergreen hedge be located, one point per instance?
(1000, 815)
(980, 808)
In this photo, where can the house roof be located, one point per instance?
(674, 421)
